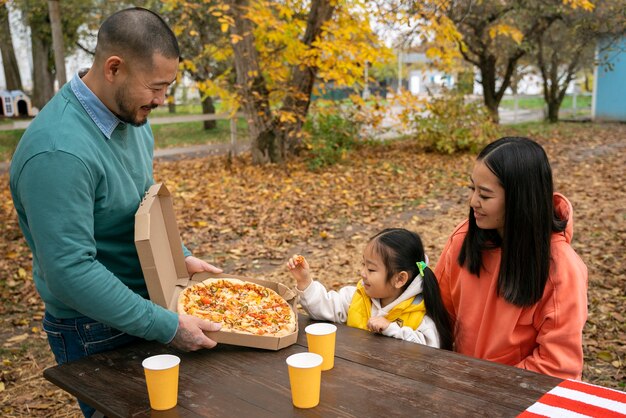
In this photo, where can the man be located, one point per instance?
(78, 176)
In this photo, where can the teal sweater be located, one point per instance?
(76, 193)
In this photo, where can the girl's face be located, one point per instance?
(487, 198)
(374, 275)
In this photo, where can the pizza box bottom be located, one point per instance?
(256, 341)
(160, 252)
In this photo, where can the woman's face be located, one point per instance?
(487, 198)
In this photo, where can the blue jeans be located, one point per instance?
(75, 338)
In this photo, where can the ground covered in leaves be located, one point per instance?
(249, 220)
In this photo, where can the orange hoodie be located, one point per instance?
(546, 337)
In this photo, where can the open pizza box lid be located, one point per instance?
(159, 246)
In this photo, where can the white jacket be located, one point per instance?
(333, 306)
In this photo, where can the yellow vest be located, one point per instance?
(405, 314)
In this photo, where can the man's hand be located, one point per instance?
(189, 336)
(195, 265)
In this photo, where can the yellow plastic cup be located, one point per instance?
(305, 378)
(321, 340)
(162, 380)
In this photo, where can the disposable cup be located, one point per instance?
(305, 377)
(162, 380)
(321, 340)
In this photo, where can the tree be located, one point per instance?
(568, 47)
(272, 137)
(9, 62)
(491, 35)
(41, 46)
(54, 13)
(36, 16)
(495, 36)
(280, 50)
(205, 50)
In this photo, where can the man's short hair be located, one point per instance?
(136, 34)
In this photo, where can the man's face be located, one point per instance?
(144, 89)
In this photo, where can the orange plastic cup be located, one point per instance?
(321, 340)
(305, 378)
(162, 380)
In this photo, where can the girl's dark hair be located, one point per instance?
(400, 250)
(522, 168)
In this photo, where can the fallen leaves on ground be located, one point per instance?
(250, 220)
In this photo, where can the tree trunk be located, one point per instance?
(553, 110)
(302, 80)
(171, 99)
(43, 80)
(273, 138)
(57, 41)
(251, 87)
(9, 62)
(208, 108)
(552, 71)
(488, 80)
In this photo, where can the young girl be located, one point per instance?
(515, 289)
(398, 295)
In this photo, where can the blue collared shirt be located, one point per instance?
(99, 113)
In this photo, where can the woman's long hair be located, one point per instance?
(400, 250)
(522, 168)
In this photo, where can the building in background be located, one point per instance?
(15, 103)
(609, 82)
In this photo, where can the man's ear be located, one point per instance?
(112, 67)
(401, 279)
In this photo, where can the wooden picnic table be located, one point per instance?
(373, 376)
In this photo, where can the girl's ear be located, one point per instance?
(400, 279)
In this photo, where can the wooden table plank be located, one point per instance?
(499, 384)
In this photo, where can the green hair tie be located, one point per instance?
(421, 265)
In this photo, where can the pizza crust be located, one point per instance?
(188, 303)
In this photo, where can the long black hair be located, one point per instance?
(523, 170)
(400, 250)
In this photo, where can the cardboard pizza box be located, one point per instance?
(158, 243)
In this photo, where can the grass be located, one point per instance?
(186, 109)
(193, 133)
(537, 102)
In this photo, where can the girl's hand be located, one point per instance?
(378, 324)
(299, 268)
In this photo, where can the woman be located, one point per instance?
(515, 289)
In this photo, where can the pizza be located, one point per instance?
(240, 306)
(299, 260)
